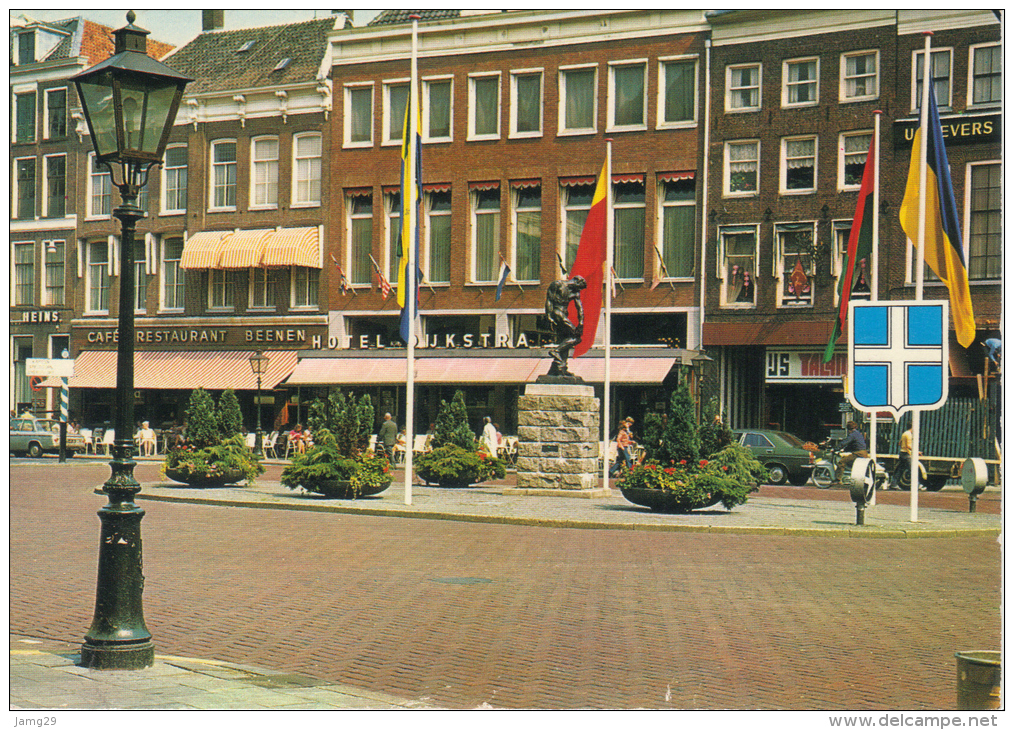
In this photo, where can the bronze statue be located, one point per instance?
(558, 298)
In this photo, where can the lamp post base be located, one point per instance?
(137, 656)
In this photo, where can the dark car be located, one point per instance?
(781, 453)
(36, 436)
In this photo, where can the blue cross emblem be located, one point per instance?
(898, 356)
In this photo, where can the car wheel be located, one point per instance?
(799, 480)
(904, 478)
(35, 450)
(777, 474)
(935, 483)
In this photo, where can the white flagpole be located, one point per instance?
(609, 310)
(875, 273)
(411, 192)
(920, 252)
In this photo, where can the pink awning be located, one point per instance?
(676, 176)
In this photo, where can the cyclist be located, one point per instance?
(852, 446)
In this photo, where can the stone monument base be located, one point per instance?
(558, 448)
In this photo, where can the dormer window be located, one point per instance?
(281, 64)
(26, 47)
(245, 47)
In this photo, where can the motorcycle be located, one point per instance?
(872, 474)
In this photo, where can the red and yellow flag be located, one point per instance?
(590, 263)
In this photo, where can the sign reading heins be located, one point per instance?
(957, 130)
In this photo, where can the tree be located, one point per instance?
(680, 441)
(202, 424)
(714, 434)
(452, 424)
(230, 417)
(349, 421)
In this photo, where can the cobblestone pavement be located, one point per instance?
(468, 614)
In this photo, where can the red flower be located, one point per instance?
(704, 462)
(725, 468)
(670, 470)
(683, 462)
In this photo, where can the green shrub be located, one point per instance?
(680, 441)
(230, 417)
(651, 434)
(350, 422)
(202, 422)
(451, 465)
(208, 462)
(325, 462)
(452, 424)
(714, 434)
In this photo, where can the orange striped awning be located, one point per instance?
(211, 370)
(244, 249)
(203, 249)
(293, 247)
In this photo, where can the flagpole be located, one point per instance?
(920, 253)
(609, 310)
(411, 209)
(874, 274)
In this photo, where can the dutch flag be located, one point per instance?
(504, 271)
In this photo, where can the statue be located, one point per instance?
(558, 298)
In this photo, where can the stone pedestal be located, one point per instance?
(558, 441)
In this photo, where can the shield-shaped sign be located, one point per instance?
(897, 356)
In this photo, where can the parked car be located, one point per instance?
(36, 436)
(781, 453)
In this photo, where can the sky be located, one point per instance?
(181, 26)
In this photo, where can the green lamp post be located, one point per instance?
(129, 102)
(259, 366)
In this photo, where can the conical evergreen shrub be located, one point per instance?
(202, 423)
(452, 424)
(230, 417)
(680, 440)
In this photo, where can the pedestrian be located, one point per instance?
(298, 439)
(623, 442)
(904, 457)
(854, 445)
(387, 437)
(489, 436)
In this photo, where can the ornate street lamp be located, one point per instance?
(259, 366)
(129, 102)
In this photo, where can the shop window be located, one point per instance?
(738, 266)
(305, 287)
(56, 186)
(24, 274)
(526, 203)
(741, 162)
(657, 328)
(172, 274)
(578, 99)
(985, 85)
(221, 289)
(628, 105)
(526, 104)
(484, 107)
(174, 180)
(678, 223)
(55, 272)
(56, 113)
(860, 76)
(940, 63)
(359, 116)
(97, 283)
(359, 209)
(223, 175)
(25, 190)
(798, 172)
(743, 88)
(985, 230)
(795, 265)
(800, 78)
(628, 229)
(264, 173)
(24, 130)
(395, 101)
(861, 271)
(437, 212)
(437, 108)
(677, 92)
(853, 148)
(485, 234)
(576, 200)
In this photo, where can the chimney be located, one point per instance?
(350, 14)
(212, 20)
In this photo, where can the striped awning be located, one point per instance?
(293, 247)
(629, 177)
(676, 176)
(489, 185)
(244, 249)
(436, 187)
(211, 370)
(521, 184)
(569, 182)
(203, 249)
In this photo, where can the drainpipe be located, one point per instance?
(704, 198)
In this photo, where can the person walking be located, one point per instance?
(388, 436)
(904, 457)
(623, 443)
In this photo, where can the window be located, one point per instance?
(26, 188)
(360, 227)
(738, 266)
(56, 113)
(97, 254)
(223, 175)
(795, 264)
(985, 232)
(437, 110)
(627, 99)
(25, 124)
(940, 61)
(677, 92)
(743, 88)
(221, 289)
(578, 100)
(56, 186)
(140, 275)
(26, 47)
(305, 287)
(799, 86)
(628, 229)
(437, 211)
(24, 274)
(799, 165)
(485, 233)
(526, 201)
(306, 170)
(861, 271)
(264, 175)
(859, 76)
(526, 104)
(100, 197)
(263, 288)
(142, 196)
(172, 274)
(577, 201)
(853, 148)
(392, 234)
(359, 116)
(985, 85)
(174, 180)
(741, 160)
(484, 105)
(678, 221)
(395, 100)
(55, 272)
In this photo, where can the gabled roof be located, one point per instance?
(216, 63)
(396, 17)
(90, 41)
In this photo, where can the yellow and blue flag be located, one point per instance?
(942, 249)
(411, 193)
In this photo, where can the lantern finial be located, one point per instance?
(131, 16)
